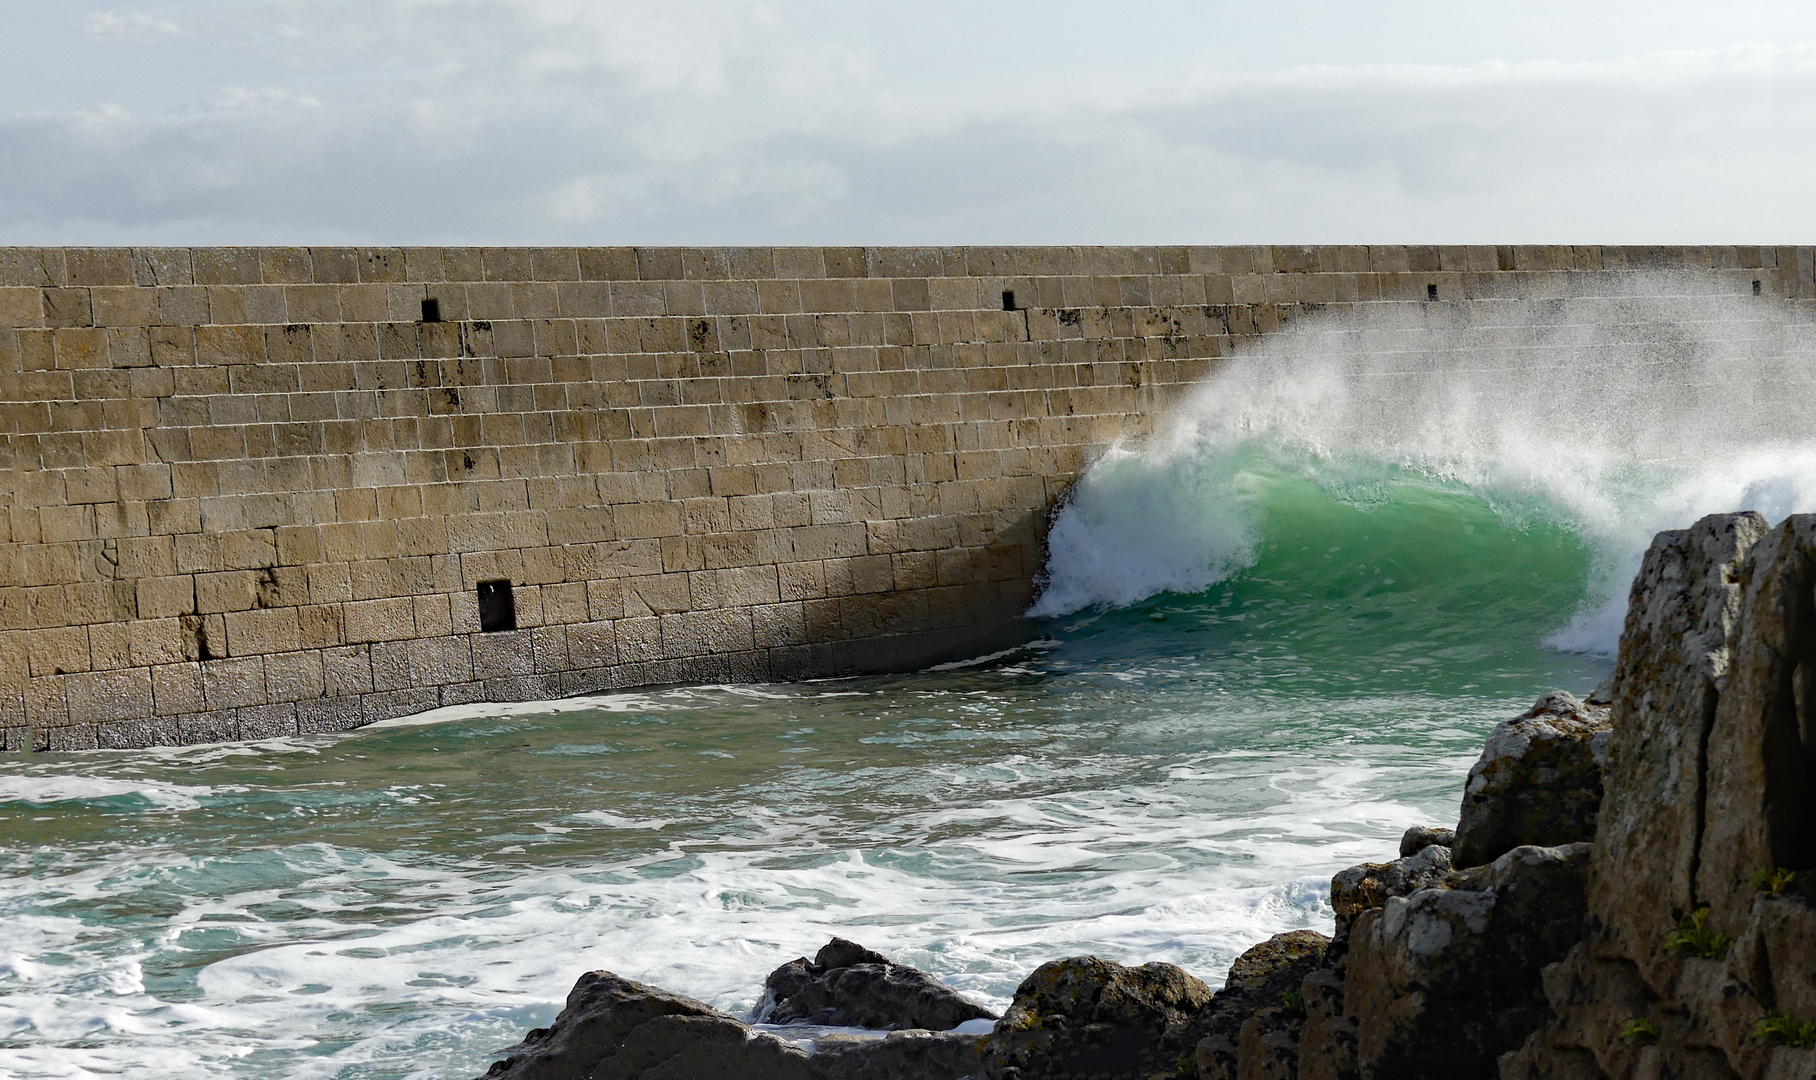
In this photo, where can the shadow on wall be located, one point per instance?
(974, 604)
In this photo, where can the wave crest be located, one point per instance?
(1637, 403)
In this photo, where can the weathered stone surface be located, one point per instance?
(1420, 837)
(1327, 1042)
(1251, 1027)
(1086, 1017)
(1759, 809)
(848, 985)
(1370, 885)
(1443, 981)
(1538, 782)
(1708, 809)
(1673, 661)
(616, 1029)
(901, 1055)
(627, 1030)
(1328, 1038)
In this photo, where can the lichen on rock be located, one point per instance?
(1538, 782)
(1086, 1018)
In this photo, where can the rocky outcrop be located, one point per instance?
(1086, 1018)
(1443, 981)
(1251, 1028)
(847, 985)
(614, 1029)
(1539, 781)
(1701, 955)
(1370, 885)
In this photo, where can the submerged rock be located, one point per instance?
(1251, 1028)
(1086, 1018)
(1539, 781)
(847, 985)
(614, 1029)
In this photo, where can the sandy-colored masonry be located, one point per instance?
(253, 492)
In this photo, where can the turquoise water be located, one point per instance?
(1268, 642)
(1170, 780)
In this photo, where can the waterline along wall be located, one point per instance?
(252, 492)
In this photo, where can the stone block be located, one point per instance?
(177, 689)
(109, 696)
(380, 620)
(347, 671)
(232, 684)
(328, 715)
(503, 655)
(208, 727)
(295, 676)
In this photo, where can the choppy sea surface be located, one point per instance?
(1271, 639)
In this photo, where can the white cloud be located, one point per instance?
(723, 121)
(114, 25)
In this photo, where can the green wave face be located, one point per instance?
(1363, 578)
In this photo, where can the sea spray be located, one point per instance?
(1634, 402)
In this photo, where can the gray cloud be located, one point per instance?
(614, 121)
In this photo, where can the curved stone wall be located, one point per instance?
(253, 492)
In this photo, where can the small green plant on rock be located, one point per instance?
(1640, 1030)
(1774, 881)
(1293, 1001)
(1780, 1028)
(1187, 1066)
(1694, 936)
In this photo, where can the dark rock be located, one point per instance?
(613, 1027)
(1420, 837)
(1370, 885)
(1327, 1042)
(1539, 781)
(1328, 1038)
(616, 1029)
(847, 985)
(1086, 1017)
(1258, 1013)
(901, 1055)
(1442, 982)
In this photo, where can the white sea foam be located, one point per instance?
(1639, 403)
(71, 788)
(977, 894)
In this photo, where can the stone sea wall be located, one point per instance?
(258, 491)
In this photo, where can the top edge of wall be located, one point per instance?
(53, 267)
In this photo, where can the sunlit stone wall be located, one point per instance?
(253, 492)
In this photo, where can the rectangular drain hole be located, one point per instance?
(1431, 292)
(1756, 291)
(431, 310)
(497, 608)
(1008, 299)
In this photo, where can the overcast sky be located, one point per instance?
(906, 121)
